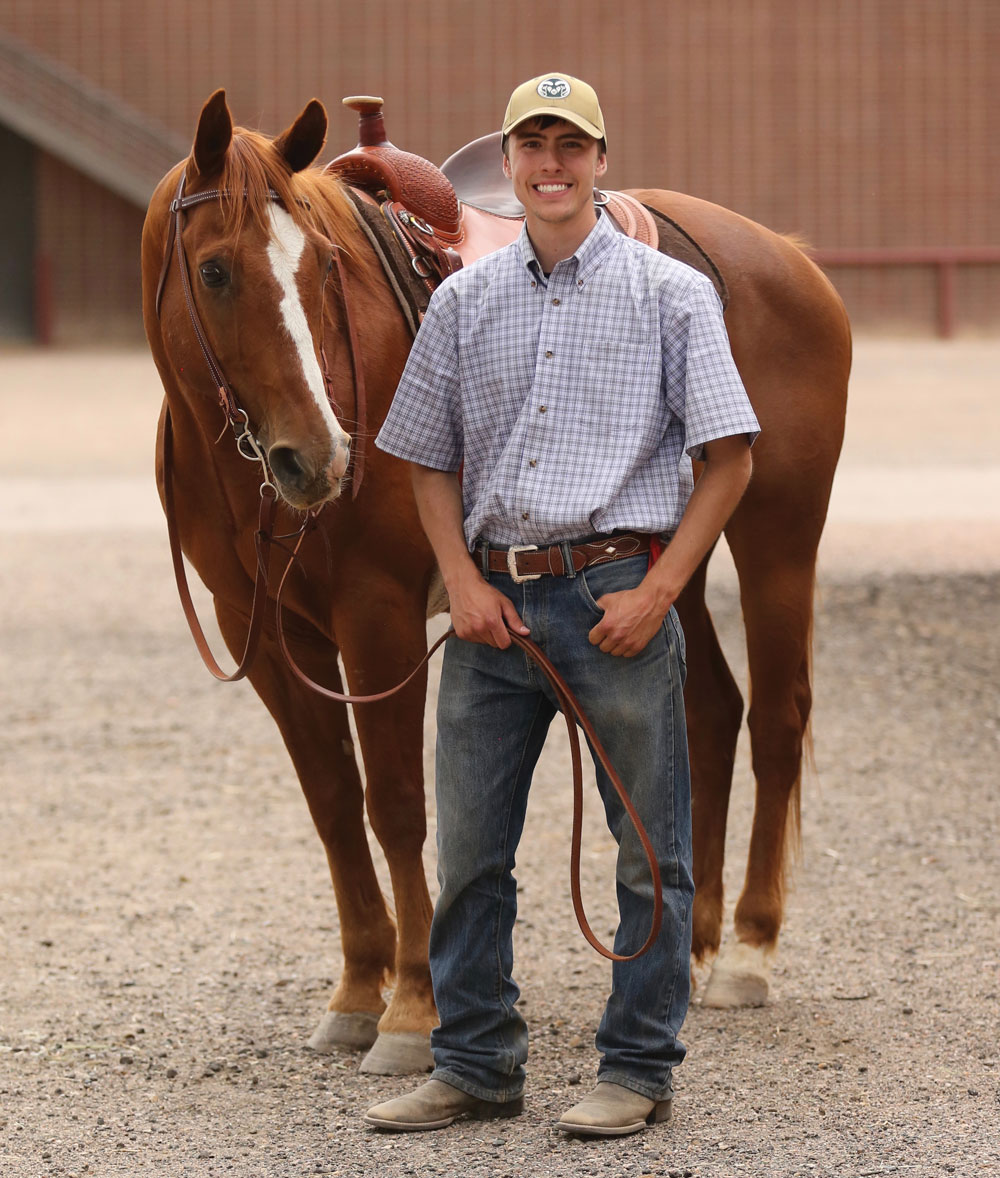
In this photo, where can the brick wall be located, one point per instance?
(853, 122)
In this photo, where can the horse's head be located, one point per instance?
(257, 258)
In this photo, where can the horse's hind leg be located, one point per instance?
(714, 710)
(777, 595)
(317, 736)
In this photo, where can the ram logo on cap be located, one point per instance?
(554, 88)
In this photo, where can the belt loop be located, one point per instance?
(484, 558)
(569, 568)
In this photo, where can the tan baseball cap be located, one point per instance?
(560, 95)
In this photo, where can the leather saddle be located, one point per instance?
(426, 222)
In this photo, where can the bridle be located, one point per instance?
(239, 420)
(249, 448)
(247, 445)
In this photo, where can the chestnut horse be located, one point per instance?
(260, 255)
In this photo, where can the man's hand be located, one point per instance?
(480, 613)
(631, 619)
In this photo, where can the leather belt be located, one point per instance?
(528, 562)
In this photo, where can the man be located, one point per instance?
(573, 374)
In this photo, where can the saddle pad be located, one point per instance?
(410, 290)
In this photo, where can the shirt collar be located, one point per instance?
(589, 252)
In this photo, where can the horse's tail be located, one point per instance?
(807, 764)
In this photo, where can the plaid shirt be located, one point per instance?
(577, 401)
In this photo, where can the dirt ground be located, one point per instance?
(168, 937)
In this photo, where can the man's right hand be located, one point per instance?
(480, 613)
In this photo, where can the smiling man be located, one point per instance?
(573, 376)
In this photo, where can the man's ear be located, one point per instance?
(602, 164)
(506, 168)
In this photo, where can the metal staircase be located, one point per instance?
(63, 113)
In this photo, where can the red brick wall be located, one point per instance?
(856, 122)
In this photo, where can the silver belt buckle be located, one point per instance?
(512, 552)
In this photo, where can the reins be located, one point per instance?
(264, 538)
(573, 714)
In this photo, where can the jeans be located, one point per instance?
(494, 708)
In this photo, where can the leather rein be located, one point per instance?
(264, 538)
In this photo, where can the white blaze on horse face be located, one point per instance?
(284, 252)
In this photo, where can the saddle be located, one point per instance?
(426, 222)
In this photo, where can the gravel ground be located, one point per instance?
(169, 939)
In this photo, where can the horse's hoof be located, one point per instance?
(338, 1031)
(739, 977)
(399, 1053)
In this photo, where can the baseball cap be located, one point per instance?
(560, 95)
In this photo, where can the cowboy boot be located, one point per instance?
(613, 1111)
(434, 1105)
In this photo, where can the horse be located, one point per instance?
(281, 275)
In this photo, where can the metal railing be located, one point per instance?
(946, 259)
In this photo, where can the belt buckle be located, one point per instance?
(512, 552)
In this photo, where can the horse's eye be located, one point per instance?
(212, 274)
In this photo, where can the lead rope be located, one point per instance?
(573, 714)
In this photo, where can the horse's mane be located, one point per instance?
(254, 168)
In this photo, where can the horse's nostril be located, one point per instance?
(288, 466)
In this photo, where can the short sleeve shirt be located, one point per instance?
(575, 402)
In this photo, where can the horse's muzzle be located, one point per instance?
(303, 482)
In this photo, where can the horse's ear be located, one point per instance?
(214, 135)
(304, 139)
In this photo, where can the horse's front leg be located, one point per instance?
(316, 733)
(379, 652)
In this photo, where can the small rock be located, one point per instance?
(574, 1078)
(907, 1010)
(125, 1058)
(171, 1073)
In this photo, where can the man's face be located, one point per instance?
(554, 170)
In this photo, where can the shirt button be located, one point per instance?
(579, 282)
(533, 285)
(533, 462)
(541, 408)
(524, 515)
(548, 355)
(555, 302)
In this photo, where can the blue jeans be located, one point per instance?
(494, 708)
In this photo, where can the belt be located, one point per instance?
(528, 562)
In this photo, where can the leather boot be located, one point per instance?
(434, 1105)
(613, 1111)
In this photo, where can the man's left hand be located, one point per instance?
(631, 619)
